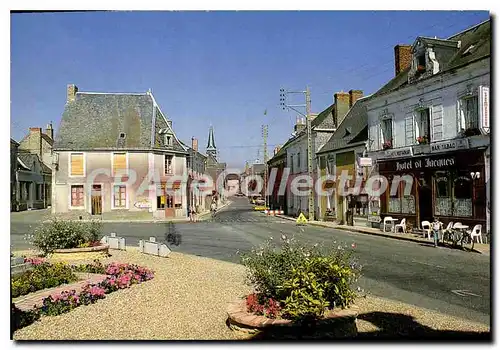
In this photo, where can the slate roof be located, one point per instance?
(27, 160)
(94, 121)
(479, 36)
(351, 129)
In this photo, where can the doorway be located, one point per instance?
(169, 206)
(425, 199)
(96, 200)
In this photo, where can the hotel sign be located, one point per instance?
(484, 109)
(399, 152)
(452, 145)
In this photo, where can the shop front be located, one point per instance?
(449, 186)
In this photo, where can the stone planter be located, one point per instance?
(335, 324)
(89, 253)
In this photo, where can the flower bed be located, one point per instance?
(42, 276)
(298, 285)
(119, 276)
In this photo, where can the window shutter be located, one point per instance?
(77, 164)
(409, 129)
(437, 123)
(119, 162)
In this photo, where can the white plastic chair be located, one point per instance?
(386, 220)
(476, 232)
(426, 226)
(401, 225)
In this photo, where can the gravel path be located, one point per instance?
(187, 300)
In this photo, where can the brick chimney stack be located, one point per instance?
(354, 95)
(71, 93)
(194, 144)
(341, 107)
(402, 58)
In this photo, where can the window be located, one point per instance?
(168, 164)
(423, 123)
(77, 164)
(469, 113)
(77, 196)
(120, 196)
(119, 163)
(398, 201)
(387, 131)
(168, 140)
(421, 61)
(462, 193)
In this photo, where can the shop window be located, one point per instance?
(399, 201)
(462, 193)
(443, 203)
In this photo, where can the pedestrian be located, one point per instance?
(190, 213)
(196, 211)
(436, 226)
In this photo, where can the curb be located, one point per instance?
(354, 229)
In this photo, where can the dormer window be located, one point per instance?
(168, 140)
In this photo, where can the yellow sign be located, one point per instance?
(260, 208)
(301, 220)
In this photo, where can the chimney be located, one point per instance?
(354, 95)
(194, 144)
(299, 125)
(71, 93)
(402, 57)
(49, 131)
(341, 107)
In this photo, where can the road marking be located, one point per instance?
(463, 293)
(419, 262)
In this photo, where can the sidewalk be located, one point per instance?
(479, 248)
(132, 217)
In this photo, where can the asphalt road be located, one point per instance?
(417, 274)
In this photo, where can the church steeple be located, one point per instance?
(211, 148)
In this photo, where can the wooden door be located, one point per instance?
(169, 205)
(96, 200)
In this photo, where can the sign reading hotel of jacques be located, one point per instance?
(421, 163)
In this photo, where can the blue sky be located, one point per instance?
(219, 68)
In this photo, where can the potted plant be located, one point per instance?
(423, 140)
(387, 144)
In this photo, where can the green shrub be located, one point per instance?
(306, 279)
(41, 277)
(65, 234)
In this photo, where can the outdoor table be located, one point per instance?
(393, 223)
(463, 234)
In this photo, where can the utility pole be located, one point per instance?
(264, 135)
(307, 106)
(309, 152)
